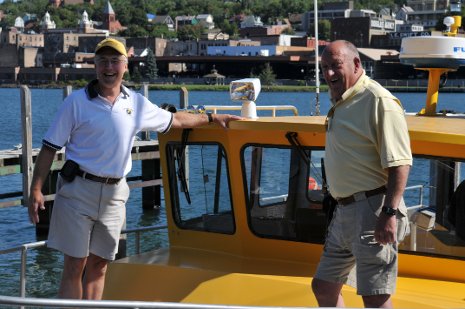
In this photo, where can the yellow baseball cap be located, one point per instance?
(112, 43)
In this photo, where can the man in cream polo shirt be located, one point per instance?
(367, 161)
(97, 126)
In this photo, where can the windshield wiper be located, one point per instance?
(180, 157)
(292, 138)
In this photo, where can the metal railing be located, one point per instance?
(68, 303)
(22, 301)
(25, 247)
(272, 108)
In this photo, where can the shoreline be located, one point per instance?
(265, 88)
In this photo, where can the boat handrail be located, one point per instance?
(25, 247)
(272, 108)
(71, 303)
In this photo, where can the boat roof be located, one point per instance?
(437, 129)
(422, 128)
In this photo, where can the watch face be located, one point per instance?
(389, 211)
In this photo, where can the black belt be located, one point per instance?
(105, 180)
(360, 196)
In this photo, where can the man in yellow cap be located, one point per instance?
(97, 125)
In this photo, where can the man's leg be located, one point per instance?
(377, 301)
(71, 278)
(328, 294)
(94, 277)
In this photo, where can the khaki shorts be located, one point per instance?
(350, 241)
(88, 217)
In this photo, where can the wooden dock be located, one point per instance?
(21, 161)
(11, 163)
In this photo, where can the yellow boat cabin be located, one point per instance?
(246, 222)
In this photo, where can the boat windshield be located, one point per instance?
(202, 172)
(284, 192)
(436, 207)
(284, 199)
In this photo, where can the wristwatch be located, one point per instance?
(389, 211)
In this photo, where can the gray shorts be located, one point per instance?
(350, 241)
(88, 217)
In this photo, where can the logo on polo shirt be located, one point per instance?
(129, 111)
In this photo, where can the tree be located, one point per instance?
(160, 31)
(151, 66)
(126, 76)
(324, 29)
(190, 32)
(267, 76)
(229, 28)
(134, 31)
(136, 77)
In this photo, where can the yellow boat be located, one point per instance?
(246, 223)
(245, 217)
(253, 232)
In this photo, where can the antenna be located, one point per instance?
(317, 65)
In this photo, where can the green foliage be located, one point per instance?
(190, 32)
(151, 66)
(136, 76)
(132, 13)
(126, 76)
(78, 83)
(160, 31)
(230, 28)
(276, 88)
(267, 76)
(324, 29)
(134, 31)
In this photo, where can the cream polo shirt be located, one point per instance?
(366, 134)
(99, 136)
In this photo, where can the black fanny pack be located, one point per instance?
(69, 170)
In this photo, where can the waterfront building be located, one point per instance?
(359, 30)
(181, 21)
(327, 11)
(206, 20)
(251, 21)
(427, 12)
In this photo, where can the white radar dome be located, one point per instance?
(433, 52)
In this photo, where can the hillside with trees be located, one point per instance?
(132, 13)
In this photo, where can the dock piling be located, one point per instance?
(26, 159)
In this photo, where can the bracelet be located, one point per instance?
(210, 117)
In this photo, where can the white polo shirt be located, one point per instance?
(99, 136)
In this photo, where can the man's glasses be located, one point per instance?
(109, 62)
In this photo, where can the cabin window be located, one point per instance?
(435, 198)
(200, 189)
(284, 193)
